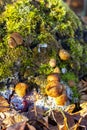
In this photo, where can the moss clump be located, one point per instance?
(39, 22)
(69, 76)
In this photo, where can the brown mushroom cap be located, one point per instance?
(54, 89)
(17, 38)
(61, 100)
(20, 89)
(12, 43)
(64, 55)
(71, 83)
(53, 77)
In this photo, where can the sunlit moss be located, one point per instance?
(41, 20)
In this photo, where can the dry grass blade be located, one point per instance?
(65, 125)
(70, 108)
(77, 125)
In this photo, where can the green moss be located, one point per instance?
(40, 20)
(76, 94)
(69, 76)
(45, 69)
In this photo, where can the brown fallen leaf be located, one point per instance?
(18, 126)
(31, 127)
(63, 119)
(64, 126)
(8, 121)
(4, 105)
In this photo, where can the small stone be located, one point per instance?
(64, 70)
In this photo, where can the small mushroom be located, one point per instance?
(52, 62)
(20, 89)
(57, 70)
(15, 39)
(54, 89)
(61, 100)
(12, 43)
(53, 77)
(64, 55)
(71, 83)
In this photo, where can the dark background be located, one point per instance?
(79, 6)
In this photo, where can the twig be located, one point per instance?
(35, 99)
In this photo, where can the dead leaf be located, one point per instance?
(70, 108)
(12, 117)
(31, 127)
(8, 121)
(17, 126)
(4, 105)
(65, 125)
(83, 105)
(46, 121)
(64, 120)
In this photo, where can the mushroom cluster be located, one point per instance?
(53, 64)
(55, 89)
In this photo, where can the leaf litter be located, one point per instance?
(36, 118)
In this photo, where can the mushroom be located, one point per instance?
(53, 77)
(52, 62)
(64, 55)
(20, 89)
(71, 83)
(61, 100)
(15, 39)
(57, 70)
(12, 43)
(54, 89)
